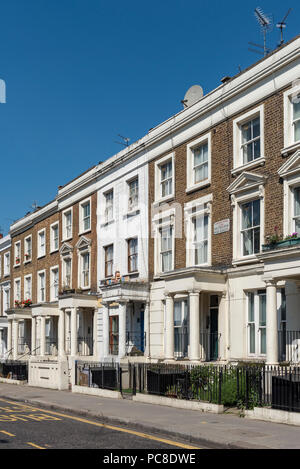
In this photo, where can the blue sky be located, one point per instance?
(80, 72)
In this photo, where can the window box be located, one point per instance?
(281, 244)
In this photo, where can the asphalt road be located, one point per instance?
(23, 426)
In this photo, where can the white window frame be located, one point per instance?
(41, 253)
(27, 297)
(26, 250)
(113, 260)
(237, 200)
(257, 328)
(52, 239)
(6, 266)
(158, 165)
(289, 140)
(65, 235)
(64, 271)
(81, 271)
(190, 184)
(81, 215)
(17, 281)
(6, 295)
(17, 253)
(192, 210)
(39, 288)
(133, 206)
(163, 220)
(108, 207)
(53, 269)
(238, 164)
(290, 173)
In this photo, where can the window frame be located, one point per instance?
(29, 259)
(17, 281)
(133, 207)
(252, 228)
(257, 294)
(52, 238)
(191, 185)
(39, 253)
(108, 207)
(65, 236)
(158, 165)
(135, 254)
(41, 273)
(27, 277)
(82, 205)
(53, 269)
(238, 162)
(289, 138)
(6, 265)
(192, 210)
(108, 261)
(17, 253)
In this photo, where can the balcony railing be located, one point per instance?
(85, 346)
(23, 346)
(289, 346)
(51, 346)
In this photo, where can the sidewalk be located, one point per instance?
(212, 430)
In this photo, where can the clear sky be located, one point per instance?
(80, 72)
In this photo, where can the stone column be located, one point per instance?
(95, 333)
(43, 336)
(15, 327)
(9, 337)
(122, 329)
(33, 336)
(73, 332)
(105, 330)
(194, 325)
(147, 329)
(61, 333)
(271, 324)
(169, 327)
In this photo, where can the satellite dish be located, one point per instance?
(193, 94)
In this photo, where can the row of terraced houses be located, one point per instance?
(184, 246)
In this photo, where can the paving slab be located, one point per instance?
(227, 430)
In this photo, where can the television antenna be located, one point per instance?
(266, 25)
(281, 25)
(125, 142)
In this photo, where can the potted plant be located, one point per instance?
(27, 257)
(18, 304)
(17, 260)
(27, 303)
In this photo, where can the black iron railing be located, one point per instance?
(99, 375)
(14, 369)
(289, 346)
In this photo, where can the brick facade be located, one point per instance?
(221, 178)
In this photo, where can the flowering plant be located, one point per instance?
(292, 236)
(17, 260)
(18, 304)
(26, 303)
(274, 238)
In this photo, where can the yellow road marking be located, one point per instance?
(110, 427)
(35, 446)
(6, 433)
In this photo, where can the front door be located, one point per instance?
(214, 340)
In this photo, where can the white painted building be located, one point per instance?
(5, 244)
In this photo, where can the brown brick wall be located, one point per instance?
(221, 166)
(53, 259)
